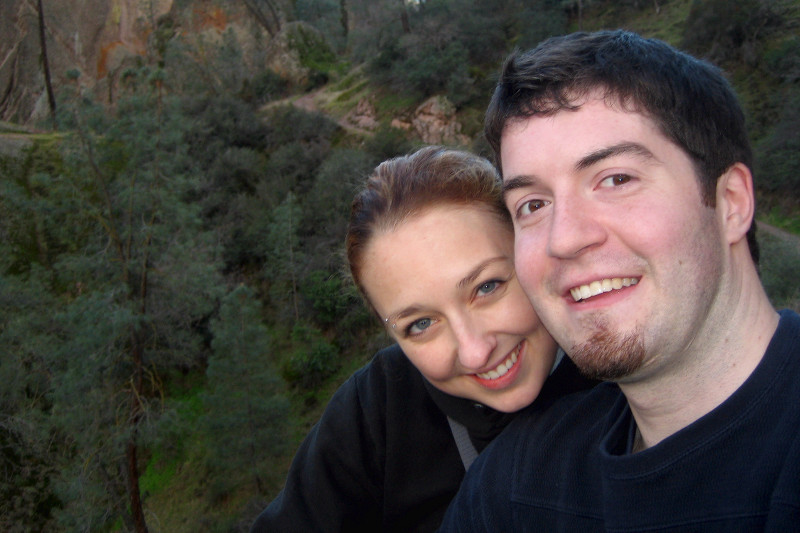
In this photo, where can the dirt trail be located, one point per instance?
(309, 102)
(780, 233)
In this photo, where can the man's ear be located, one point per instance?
(736, 201)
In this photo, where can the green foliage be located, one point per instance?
(264, 87)
(313, 358)
(424, 67)
(778, 167)
(312, 48)
(328, 298)
(326, 207)
(24, 198)
(780, 269)
(325, 16)
(284, 259)
(214, 123)
(784, 219)
(26, 495)
(290, 168)
(539, 20)
(28, 457)
(388, 142)
(133, 273)
(452, 43)
(722, 31)
(245, 410)
(784, 59)
(288, 124)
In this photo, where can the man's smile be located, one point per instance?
(582, 292)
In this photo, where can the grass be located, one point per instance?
(780, 219)
(780, 269)
(667, 24)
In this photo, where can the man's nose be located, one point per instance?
(573, 228)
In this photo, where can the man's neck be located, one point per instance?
(708, 372)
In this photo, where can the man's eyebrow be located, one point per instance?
(528, 180)
(611, 151)
(517, 182)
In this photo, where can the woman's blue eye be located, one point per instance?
(419, 326)
(488, 287)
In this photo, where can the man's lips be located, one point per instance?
(582, 292)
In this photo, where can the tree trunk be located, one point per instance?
(291, 263)
(404, 17)
(139, 524)
(51, 100)
(271, 24)
(343, 17)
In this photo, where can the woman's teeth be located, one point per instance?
(503, 367)
(599, 287)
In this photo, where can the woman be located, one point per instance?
(430, 246)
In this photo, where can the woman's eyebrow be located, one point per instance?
(466, 280)
(475, 272)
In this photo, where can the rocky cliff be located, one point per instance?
(100, 38)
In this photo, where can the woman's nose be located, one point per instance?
(475, 345)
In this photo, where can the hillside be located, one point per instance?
(172, 306)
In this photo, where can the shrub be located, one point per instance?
(778, 167)
(313, 358)
(265, 86)
(327, 297)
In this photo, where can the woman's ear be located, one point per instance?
(736, 201)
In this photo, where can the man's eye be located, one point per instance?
(615, 180)
(533, 205)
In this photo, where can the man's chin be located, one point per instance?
(609, 356)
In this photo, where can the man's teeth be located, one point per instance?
(599, 287)
(503, 367)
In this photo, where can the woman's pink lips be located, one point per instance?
(506, 379)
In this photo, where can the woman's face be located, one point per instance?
(445, 280)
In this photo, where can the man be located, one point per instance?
(626, 169)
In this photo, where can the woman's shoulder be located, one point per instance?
(389, 375)
(389, 364)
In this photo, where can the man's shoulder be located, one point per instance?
(596, 400)
(785, 344)
(577, 417)
(789, 323)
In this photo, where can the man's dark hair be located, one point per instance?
(688, 99)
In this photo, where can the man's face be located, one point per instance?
(613, 243)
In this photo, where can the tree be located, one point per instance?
(51, 100)
(29, 455)
(266, 13)
(284, 258)
(246, 412)
(148, 276)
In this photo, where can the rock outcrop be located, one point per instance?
(93, 37)
(435, 122)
